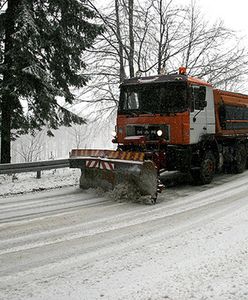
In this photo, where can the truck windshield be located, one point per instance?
(163, 98)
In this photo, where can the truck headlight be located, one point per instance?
(159, 132)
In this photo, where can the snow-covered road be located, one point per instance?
(69, 244)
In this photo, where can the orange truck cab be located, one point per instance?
(183, 123)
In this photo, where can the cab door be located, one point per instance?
(198, 114)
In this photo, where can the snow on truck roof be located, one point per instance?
(164, 78)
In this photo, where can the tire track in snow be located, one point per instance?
(86, 251)
(85, 229)
(168, 195)
(38, 195)
(47, 204)
(41, 204)
(129, 228)
(55, 211)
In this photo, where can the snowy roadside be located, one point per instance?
(27, 182)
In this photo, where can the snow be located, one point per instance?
(27, 182)
(71, 244)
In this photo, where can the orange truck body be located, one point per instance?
(237, 125)
(179, 127)
(204, 122)
(179, 123)
(169, 122)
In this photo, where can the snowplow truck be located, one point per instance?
(169, 123)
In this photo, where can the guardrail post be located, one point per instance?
(38, 176)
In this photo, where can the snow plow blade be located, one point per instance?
(107, 169)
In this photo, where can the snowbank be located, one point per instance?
(27, 182)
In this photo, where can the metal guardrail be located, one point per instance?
(36, 166)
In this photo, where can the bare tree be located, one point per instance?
(155, 35)
(131, 38)
(121, 50)
(80, 135)
(29, 147)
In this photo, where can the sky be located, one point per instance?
(233, 13)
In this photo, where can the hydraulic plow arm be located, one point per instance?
(107, 169)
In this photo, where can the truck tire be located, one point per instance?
(205, 173)
(240, 159)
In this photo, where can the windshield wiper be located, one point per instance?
(146, 112)
(131, 113)
(138, 112)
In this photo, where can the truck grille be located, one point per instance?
(149, 131)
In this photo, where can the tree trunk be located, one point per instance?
(131, 38)
(161, 33)
(122, 74)
(7, 96)
(5, 130)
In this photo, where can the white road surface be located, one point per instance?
(68, 244)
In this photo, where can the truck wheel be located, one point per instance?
(239, 159)
(205, 173)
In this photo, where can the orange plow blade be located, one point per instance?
(107, 169)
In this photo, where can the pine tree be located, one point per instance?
(41, 46)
